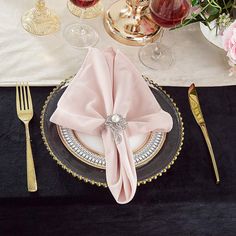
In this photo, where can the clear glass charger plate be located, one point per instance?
(73, 161)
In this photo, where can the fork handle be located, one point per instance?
(31, 176)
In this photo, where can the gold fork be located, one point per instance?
(24, 109)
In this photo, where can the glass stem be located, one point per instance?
(82, 30)
(40, 4)
(161, 35)
(157, 53)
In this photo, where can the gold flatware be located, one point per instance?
(197, 113)
(24, 109)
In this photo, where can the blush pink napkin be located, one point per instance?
(108, 83)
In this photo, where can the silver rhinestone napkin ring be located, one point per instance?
(117, 124)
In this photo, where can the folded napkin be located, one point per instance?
(109, 98)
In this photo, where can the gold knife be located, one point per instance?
(197, 113)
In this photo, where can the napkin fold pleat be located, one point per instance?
(123, 181)
(108, 83)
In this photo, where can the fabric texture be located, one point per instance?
(105, 86)
(47, 60)
(184, 201)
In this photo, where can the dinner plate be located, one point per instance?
(68, 157)
(90, 149)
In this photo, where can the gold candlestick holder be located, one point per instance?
(130, 22)
(40, 20)
(87, 13)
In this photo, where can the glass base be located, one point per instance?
(80, 35)
(87, 13)
(40, 21)
(131, 26)
(156, 56)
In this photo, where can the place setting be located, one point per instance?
(151, 150)
(118, 117)
(109, 124)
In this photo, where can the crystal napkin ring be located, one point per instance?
(117, 124)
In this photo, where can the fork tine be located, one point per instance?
(25, 97)
(21, 98)
(17, 98)
(29, 97)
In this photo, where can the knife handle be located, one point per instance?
(208, 142)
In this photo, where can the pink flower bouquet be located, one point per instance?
(229, 44)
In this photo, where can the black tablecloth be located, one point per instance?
(184, 201)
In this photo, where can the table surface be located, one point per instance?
(184, 201)
(49, 59)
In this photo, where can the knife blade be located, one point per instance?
(197, 113)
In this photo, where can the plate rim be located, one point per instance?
(139, 165)
(152, 84)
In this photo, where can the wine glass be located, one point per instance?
(40, 20)
(88, 13)
(167, 14)
(81, 35)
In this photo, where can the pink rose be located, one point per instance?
(229, 42)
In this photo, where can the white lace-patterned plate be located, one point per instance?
(90, 150)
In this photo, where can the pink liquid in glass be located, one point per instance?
(169, 13)
(84, 3)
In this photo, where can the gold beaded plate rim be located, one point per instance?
(93, 182)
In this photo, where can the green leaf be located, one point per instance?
(212, 17)
(229, 4)
(195, 2)
(212, 10)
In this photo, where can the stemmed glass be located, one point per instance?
(167, 14)
(81, 35)
(88, 13)
(40, 20)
